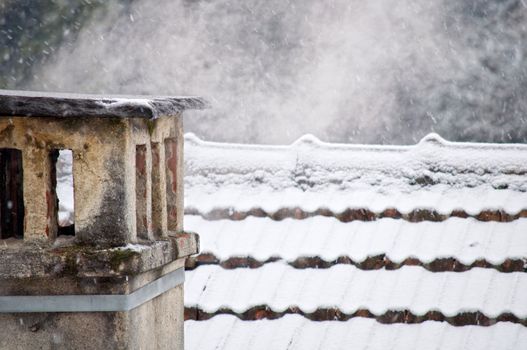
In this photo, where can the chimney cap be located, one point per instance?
(68, 105)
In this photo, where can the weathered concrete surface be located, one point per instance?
(159, 201)
(104, 164)
(163, 139)
(167, 314)
(46, 104)
(60, 331)
(157, 324)
(79, 261)
(128, 189)
(66, 268)
(98, 145)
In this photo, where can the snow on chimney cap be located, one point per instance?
(68, 105)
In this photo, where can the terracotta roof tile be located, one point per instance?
(336, 245)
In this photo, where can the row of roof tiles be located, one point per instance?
(296, 332)
(237, 202)
(465, 240)
(269, 216)
(349, 289)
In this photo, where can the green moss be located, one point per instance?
(70, 267)
(73, 249)
(112, 258)
(118, 256)
(151, 126)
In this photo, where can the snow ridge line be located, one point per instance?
(377, 262)
(349, 215)
(260, 312)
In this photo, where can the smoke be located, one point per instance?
(345, 70)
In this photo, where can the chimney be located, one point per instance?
(113, 279)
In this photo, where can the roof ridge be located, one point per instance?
(433, 139)
(312, 167)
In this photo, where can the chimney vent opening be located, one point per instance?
(11, 194)
(63, 186)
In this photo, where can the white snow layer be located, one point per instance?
(309, 174)
(467, 240)
(349, 289)
(295, 332)
(434, 174)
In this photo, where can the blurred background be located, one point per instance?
(353, 71)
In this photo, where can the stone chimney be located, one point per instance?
(113, 280)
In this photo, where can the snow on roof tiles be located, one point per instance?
(349, 289)
(397, 234)
(314, 166)
(466, 240)
(439, 201)
(295, 332)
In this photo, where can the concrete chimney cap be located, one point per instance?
(68, 105)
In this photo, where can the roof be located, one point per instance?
(320, 246)
(66, 105)
(297, 332)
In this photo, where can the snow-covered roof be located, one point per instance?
(294, 332)
(345, 240)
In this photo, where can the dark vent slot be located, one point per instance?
(11, 194)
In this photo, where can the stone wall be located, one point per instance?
(105, 163)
